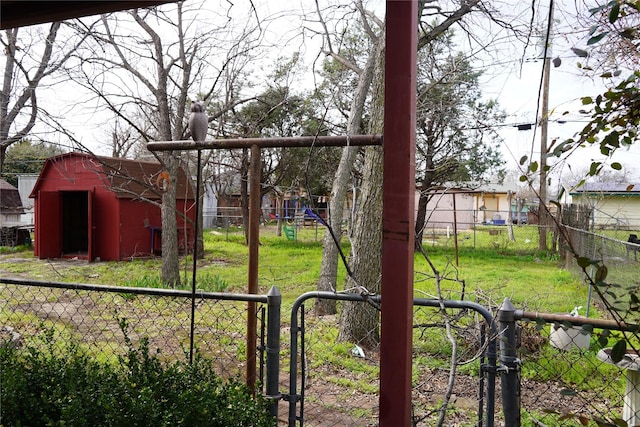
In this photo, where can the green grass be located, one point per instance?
(532, 282)
(515, 270)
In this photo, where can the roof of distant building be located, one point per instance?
(10, 202)
(607, 188)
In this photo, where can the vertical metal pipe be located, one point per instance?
(196, 230)
(481, 391)
(509, 365)
(303, 364)
(262, 347)
(254, 238)
(398, 213)
(274, 304)
(293, 364)
(491, 375)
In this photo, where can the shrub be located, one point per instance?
(51, 385)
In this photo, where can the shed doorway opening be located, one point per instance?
(75, 223)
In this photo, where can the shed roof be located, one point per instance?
(607, 188)
(128, 179)
(10, 202)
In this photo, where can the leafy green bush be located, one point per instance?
(46, 386)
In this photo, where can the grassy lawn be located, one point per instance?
(491, 266)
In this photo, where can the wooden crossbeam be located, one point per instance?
(294, 141)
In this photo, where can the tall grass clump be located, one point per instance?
(47, 384)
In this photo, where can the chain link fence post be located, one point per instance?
(274, 304)
(509, 364)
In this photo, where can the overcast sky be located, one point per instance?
(512, 76)
(515, 82)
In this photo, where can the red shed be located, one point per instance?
(94, 207)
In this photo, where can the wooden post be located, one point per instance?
(398, 213)
(254, 241)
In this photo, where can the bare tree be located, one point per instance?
(456, 138)
(31, 57)
(143, 67)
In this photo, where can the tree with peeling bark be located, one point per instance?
(346, 59)
(148, 63)
(360, 322)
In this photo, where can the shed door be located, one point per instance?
(76, 223)
(48, 230)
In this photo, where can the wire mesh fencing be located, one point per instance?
(568, 376)
(564, 367)
(465, 232)
(103, 319)
(617, 249)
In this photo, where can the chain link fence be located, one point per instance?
(616, 249)
(606, 259)
(297, 227)
(441, 234)
(564, 374)
(93, 316)
(567, 376)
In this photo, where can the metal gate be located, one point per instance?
(332, 383)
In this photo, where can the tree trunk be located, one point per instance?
(425, 184)
(421, 217)
(170, 263)
(359, 323)
(329, 266)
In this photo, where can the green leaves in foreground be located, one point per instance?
(44, 385)
(601, 270)
(618, 351)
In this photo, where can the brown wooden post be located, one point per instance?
(398, 213)
(254, 241)
(455, 228)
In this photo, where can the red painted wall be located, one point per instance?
(136, 238)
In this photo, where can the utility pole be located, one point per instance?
(542, 209)
(544, 125)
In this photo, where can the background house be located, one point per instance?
(11, 208)
(101, 207)
(26, 182)
(440, 209)
(489, 204)
(614, 205)
(494, 204)
(12, 231)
